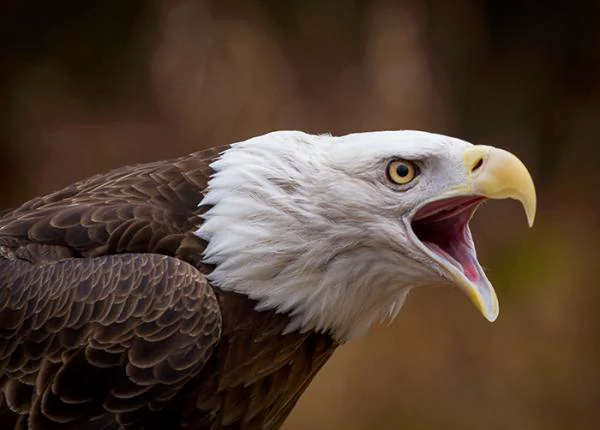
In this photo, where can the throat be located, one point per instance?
(340, 297)
(320, 283)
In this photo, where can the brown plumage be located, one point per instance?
(169, 296)
(107, 319)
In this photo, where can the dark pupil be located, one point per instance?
(402, 170)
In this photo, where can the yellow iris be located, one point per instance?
(401, 172)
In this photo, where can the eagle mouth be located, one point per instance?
(442, 226)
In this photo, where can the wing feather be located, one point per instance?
(117, 334)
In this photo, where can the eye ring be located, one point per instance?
(401, 172)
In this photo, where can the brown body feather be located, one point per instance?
(107, 319)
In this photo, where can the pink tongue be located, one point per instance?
(461, 256)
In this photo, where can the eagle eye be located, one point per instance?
(402, 172)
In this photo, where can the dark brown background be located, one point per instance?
(88, 86)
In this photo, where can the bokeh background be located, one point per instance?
(86, 86)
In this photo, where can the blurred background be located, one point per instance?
(89, 86)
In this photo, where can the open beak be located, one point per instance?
(441, 225)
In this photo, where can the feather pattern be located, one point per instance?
(107, 319)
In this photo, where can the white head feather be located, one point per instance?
(310, 225)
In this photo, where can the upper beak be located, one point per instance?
(496, 174)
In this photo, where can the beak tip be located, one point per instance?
(492, 318)
(531, 218)
(529, 202)
(483, 296)
(491, 312)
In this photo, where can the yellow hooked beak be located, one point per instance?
(496, 174)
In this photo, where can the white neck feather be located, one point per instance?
(282, 232)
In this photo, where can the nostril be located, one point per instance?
(477, 164)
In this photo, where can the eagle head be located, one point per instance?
(335, 231)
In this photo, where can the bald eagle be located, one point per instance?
(205, 292)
